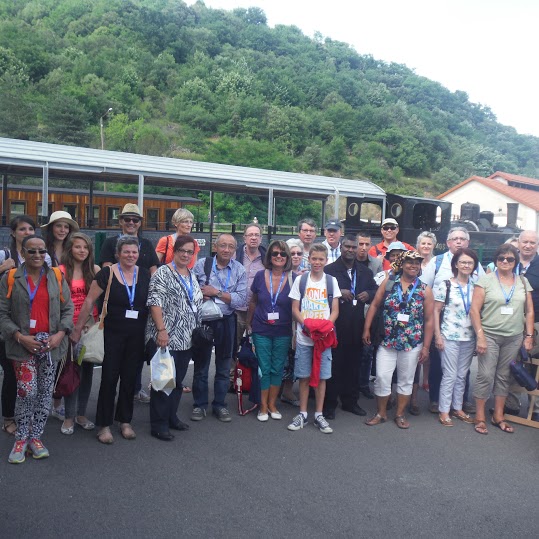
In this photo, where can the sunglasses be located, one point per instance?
(36, 251)
(509, 259)
(131, 220)
(389, 227)
(275, 254)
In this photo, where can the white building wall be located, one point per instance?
(490, 200)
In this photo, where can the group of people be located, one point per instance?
(329, 315)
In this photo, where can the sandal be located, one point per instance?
(9, 427)
(401, 422)
(375, 420)
(187, 389)
(503, 426)
(105, 436)
(447, 422)
(463, 417)
(127, 431)
(481, 427)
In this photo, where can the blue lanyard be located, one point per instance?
(274, 299)
(467, 303)
(399, 292)
(130, 289)
(189, 287)
(512, 291)
(224, 287)
(30, 293)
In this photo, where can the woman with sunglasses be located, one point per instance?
(35, 316)
(183, 220)
(79, 270)
(501, 312)
(269, 319)
(296, 254)
(454, 336)
(175, 301)
(407, 311)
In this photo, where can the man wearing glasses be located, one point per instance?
(307, 234)
(251, 254)
(390, 230)
(437, 271)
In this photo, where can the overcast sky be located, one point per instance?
(487, 48)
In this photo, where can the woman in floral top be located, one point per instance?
(455, 339)
(408, 324)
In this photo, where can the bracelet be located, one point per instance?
(162, 329)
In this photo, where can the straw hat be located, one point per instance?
(64, 216)
(131, 209)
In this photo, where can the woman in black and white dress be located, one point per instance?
(174, 300)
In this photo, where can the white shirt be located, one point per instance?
(445, 272)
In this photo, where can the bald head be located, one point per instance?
(527, 245)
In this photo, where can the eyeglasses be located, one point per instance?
(275, 254)
(131, 220)
(35, 251)
(186, 252)
(458, 239)
(308, 230)
(389, 227)
(463, 263)
(509, 259)
(253, 235)
(299, 253)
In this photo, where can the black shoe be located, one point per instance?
(535, 416)
(354, 409)
(165, 436)
(179, 425)
(366, 392)
(329, 414)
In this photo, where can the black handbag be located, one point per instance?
(202, 336)
(520, 372)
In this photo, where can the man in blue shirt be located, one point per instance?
(226, 285)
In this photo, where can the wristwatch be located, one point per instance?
(220, 294)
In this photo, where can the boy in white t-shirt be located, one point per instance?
(313, 305)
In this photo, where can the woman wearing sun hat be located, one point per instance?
(407, 310)
(56, 232)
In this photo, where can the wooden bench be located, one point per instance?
(533, 395)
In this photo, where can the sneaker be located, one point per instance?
(142, 397)
(59, 413)
(297, 423)
(17, 455)
(222, 414)
(38, 450)
(322, 424)
(198, 414)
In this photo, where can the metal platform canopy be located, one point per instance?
(19, 157)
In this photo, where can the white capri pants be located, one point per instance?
(405, 362)
(456, 360)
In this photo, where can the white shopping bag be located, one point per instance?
(163, 371)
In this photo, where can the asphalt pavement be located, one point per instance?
(252, 479)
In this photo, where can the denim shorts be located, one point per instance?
(304, 362)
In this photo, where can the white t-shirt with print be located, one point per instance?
(315, 302)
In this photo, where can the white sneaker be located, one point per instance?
(322, 424)
(58, 413)
(297, 423)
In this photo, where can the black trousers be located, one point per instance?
(9, 383)
(124, 352)
(344, 381)
(163, 407)
(435, 373)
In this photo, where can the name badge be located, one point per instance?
(506, 310)
(273, 316)
(219, 301)
(401, 317)
(33, 324)
(131, 314)
(354, 302)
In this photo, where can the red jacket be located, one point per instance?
(322, 332)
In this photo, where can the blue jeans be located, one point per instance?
(223, 339)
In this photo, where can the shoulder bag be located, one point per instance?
(93, 342)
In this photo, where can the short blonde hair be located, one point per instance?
(181, 214)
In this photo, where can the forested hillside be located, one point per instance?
(199, 83)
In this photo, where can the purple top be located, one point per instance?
(261, 325)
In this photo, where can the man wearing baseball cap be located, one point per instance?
(390, 229)
(333, 233)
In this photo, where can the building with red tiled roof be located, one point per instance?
(494, 193)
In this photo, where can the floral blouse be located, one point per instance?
(456, 325)
(403, 335)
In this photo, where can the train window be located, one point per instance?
(427, 216)
(17, 208)
(96, 216)
(370, 212)
(73, 210)
(40, 206)
(168, 218)
(112, 215)
(396, 210)
(152, 218)
(353, 209)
